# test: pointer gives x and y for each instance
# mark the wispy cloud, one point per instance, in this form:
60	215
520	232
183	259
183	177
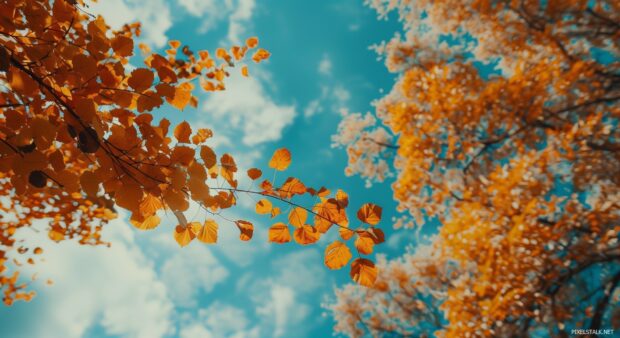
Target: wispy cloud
246	112
115	288
154	16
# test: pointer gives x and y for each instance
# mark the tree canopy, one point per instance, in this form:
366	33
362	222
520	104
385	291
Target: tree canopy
502	130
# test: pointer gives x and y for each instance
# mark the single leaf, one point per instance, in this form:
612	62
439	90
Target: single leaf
337	255
183	235
291	187
364	244
182	132
363	272
281	159
346	233
246	230
251	42
297	217
208	232
263	207
208	156
306	234
275	212
279	233
141	79
254	173
369	213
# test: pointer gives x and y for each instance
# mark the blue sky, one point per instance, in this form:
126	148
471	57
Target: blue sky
145	285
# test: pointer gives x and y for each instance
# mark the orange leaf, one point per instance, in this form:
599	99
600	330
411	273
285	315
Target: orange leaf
174	44
251	42
208	156
369	213
122	45
281	159
141	79
306	235
175	200
244	71
292	186
342	198
260	55
346	233
129	196
364	244
263	207
337	255
208	232
364	272
297	217
254	173
182	95
182	132
246	230
279	233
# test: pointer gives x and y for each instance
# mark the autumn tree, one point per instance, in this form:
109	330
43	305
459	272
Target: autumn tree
502	128
78	141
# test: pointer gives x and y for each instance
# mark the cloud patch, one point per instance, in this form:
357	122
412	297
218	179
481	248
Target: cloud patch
154	16
246	111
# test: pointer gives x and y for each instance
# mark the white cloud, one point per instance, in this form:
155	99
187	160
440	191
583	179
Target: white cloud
190	270
154	16
195	330
325	65
336	95
212	12
115	288
244	110
239	20
283	308
313	108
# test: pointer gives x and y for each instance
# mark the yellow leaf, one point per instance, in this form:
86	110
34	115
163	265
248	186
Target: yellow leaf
208	232
183	235
297	217
337	255
364	272
151	222
279	233
369	213
182	132
150	204
263	207
306	235
281	159
275	212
